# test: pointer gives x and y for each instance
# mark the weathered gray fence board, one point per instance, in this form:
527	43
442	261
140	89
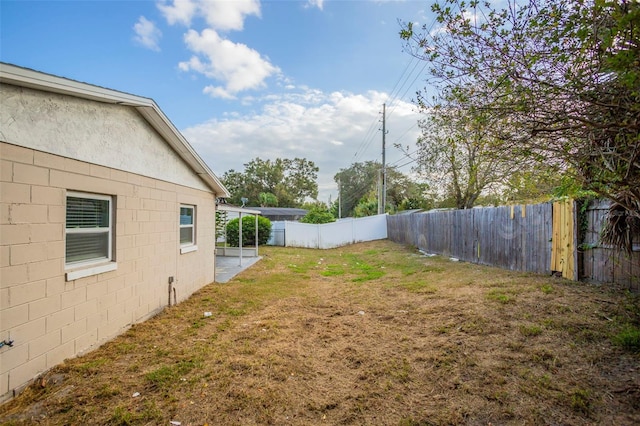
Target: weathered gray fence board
518	241
489	236
601	264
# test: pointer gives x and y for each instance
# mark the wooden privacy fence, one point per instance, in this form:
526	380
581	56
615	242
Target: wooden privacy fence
601	264
510	237
540	238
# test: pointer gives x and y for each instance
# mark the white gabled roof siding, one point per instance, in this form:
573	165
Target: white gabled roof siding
22	77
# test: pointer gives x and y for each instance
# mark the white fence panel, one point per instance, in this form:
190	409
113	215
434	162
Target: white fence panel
335	234
277	234
370	228
301	235
330	235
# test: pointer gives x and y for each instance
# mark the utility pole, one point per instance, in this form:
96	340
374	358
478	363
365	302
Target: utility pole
379	186
339	198
383	203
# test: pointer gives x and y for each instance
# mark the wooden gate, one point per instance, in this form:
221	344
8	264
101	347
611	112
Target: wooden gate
564	239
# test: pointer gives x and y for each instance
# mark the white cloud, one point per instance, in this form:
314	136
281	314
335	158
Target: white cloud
316	3
327	129
218	92
219	15
235	64
178	11
228	15
147	34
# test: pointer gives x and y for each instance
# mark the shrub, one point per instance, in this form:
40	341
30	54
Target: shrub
317	217
248	231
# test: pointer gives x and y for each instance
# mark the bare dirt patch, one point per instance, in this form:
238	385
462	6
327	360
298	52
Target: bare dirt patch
373	333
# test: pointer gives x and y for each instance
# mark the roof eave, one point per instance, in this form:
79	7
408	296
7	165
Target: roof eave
167	130
24	77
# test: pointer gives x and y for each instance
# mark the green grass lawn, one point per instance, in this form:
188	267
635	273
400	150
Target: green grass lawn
372	333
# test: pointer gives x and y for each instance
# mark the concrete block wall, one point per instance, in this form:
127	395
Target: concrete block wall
51	319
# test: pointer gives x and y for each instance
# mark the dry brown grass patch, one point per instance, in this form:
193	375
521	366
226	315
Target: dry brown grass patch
372	333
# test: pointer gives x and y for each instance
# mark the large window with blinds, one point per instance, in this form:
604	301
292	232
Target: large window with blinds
89	228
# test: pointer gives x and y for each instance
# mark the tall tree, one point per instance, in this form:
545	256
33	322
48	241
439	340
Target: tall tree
457	153
404	193
287	182
561	80
358	185
355	182
267	199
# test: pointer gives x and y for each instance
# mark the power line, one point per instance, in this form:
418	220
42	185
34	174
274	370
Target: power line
409	156
428	34
392	97
407	163
392	101
366	141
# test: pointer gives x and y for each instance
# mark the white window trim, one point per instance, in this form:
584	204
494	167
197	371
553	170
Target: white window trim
94	270
188	249
190	246
95	266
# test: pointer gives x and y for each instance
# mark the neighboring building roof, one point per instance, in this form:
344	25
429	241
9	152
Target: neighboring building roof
24	77
280	211
223	206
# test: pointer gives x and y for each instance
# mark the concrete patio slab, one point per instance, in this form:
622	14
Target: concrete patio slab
228	267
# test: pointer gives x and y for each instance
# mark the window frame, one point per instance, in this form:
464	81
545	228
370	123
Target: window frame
109	230
191	245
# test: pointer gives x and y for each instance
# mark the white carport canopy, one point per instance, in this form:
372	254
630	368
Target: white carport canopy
240	211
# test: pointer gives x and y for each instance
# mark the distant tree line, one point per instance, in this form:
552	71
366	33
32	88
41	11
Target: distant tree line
266	183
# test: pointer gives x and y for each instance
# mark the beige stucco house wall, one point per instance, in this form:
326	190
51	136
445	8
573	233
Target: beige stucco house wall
66	144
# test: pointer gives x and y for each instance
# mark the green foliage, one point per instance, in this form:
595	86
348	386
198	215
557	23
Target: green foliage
459	153
282	182
569	187
366	207
248	231
221	223
558	83
267	199
628	338
547	288
315	205
356	182
539	185
358	186
318	213
318	217
413	203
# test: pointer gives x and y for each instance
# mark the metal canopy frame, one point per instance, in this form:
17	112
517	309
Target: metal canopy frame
240	210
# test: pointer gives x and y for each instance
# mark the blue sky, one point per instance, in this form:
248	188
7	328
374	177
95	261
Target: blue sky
241	79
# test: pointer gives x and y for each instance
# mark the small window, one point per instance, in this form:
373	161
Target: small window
89	228
187	226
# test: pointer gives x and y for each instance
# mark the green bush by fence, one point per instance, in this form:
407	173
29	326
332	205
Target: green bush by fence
248	231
